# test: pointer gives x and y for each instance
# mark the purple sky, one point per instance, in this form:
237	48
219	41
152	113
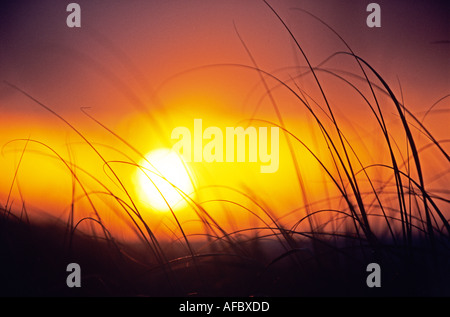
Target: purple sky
148	41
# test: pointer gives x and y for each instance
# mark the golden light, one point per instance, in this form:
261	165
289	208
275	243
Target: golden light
163	180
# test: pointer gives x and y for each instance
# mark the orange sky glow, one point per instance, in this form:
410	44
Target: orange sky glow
133	73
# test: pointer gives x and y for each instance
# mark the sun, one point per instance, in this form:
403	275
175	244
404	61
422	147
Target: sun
164	179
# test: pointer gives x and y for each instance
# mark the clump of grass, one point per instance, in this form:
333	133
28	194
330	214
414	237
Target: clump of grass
398	223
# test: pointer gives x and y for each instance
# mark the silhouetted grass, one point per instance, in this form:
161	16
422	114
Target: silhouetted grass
328	256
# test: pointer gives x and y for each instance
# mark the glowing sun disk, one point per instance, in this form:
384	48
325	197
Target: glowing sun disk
164	180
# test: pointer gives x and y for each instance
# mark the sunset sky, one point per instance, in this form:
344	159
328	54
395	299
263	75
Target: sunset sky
138	68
